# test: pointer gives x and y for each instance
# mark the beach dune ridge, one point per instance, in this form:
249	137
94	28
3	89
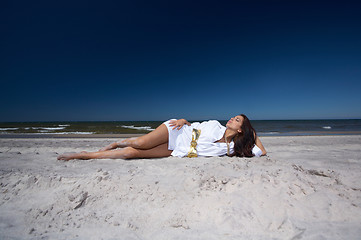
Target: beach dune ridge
306	188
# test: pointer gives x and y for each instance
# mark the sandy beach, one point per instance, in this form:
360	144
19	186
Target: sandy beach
308	187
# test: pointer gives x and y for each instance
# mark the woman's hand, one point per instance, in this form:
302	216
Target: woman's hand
178	124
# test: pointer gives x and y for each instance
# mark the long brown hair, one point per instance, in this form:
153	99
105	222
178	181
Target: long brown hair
244	141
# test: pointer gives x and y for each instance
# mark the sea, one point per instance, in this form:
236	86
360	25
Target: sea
262	127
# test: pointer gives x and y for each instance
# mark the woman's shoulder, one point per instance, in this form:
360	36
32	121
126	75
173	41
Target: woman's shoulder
210	125
215	123
212	122
213	129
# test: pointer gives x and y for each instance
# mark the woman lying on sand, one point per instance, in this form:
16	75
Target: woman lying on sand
180	138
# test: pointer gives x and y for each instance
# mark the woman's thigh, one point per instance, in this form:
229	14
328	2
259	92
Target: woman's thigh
147	142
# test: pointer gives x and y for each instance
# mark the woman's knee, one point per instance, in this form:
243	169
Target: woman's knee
140	143
129	153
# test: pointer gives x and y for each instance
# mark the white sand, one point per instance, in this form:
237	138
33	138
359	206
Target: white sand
307	188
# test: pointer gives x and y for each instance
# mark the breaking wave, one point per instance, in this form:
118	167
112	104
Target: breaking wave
147	128
8	129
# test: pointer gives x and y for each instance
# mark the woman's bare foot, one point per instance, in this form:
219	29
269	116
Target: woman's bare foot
109	147
121	144
70	156
128	142
66	156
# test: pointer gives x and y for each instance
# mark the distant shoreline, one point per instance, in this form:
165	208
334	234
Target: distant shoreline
128	135
129	129
29	135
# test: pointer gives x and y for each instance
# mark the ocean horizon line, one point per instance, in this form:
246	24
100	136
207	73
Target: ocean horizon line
191	120
263	127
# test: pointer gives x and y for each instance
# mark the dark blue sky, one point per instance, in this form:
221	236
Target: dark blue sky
155	60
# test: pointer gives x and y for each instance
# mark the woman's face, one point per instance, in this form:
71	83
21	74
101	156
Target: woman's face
235	123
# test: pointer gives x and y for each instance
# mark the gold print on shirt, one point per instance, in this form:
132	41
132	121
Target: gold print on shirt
193	151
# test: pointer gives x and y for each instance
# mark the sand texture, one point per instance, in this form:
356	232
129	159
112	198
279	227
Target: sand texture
306	188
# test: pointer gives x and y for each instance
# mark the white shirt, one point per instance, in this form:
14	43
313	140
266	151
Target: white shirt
207	145
211	131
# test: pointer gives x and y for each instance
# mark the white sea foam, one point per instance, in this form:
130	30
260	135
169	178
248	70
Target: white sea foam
53	128
39	128
63	125
326	127
8	129
138	128
64	133
269	133
46	128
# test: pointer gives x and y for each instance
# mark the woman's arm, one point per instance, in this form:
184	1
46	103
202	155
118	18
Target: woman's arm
178	124
260	145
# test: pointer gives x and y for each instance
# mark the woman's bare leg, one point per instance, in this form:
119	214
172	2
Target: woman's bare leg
124	153
156	137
